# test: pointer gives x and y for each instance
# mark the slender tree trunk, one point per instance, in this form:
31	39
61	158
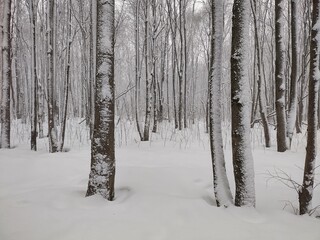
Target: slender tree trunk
102	174
292	114
33	20
6	76
1	39
262	109
220	180
93	37
153	59
306	192
53	138
279	77
185	65
180	68
173	26
137	68
148	81
67	80
240	106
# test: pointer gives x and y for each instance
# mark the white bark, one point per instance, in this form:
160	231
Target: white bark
221	184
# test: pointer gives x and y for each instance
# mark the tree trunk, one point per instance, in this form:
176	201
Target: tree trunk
7	76
262	109
1	39
185	65
220	180
52	134
180	68
67	80
292	114
33	20
306	191
102	174
240	106
153	59
146	132
137	68
173	27
279	78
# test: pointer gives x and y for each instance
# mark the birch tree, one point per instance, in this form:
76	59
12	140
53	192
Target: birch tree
240	106
306	191
220	181
6	75
102	174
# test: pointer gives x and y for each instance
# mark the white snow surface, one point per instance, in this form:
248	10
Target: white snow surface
164	191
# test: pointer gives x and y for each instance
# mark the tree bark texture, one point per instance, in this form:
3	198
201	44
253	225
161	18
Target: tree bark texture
33	15
102	174
240	106
7	75
52	134
292	114
220	180
306	191
280	78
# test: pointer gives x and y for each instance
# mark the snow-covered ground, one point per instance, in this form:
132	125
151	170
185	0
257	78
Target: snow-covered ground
163	191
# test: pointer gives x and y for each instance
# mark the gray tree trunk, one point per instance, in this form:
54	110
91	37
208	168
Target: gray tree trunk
102	174
262	108
146	131
52	134
137	68
306	192
67	79
1	18
240	106
6	75
220	180
280	78
292	114
34	122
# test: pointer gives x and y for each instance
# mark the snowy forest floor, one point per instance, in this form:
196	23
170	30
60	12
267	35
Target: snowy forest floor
164	191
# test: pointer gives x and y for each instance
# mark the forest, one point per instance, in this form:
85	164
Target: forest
159	119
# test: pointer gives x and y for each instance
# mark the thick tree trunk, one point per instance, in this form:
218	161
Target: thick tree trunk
240	106
102	174
279	78
7	75
220	180
306	192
